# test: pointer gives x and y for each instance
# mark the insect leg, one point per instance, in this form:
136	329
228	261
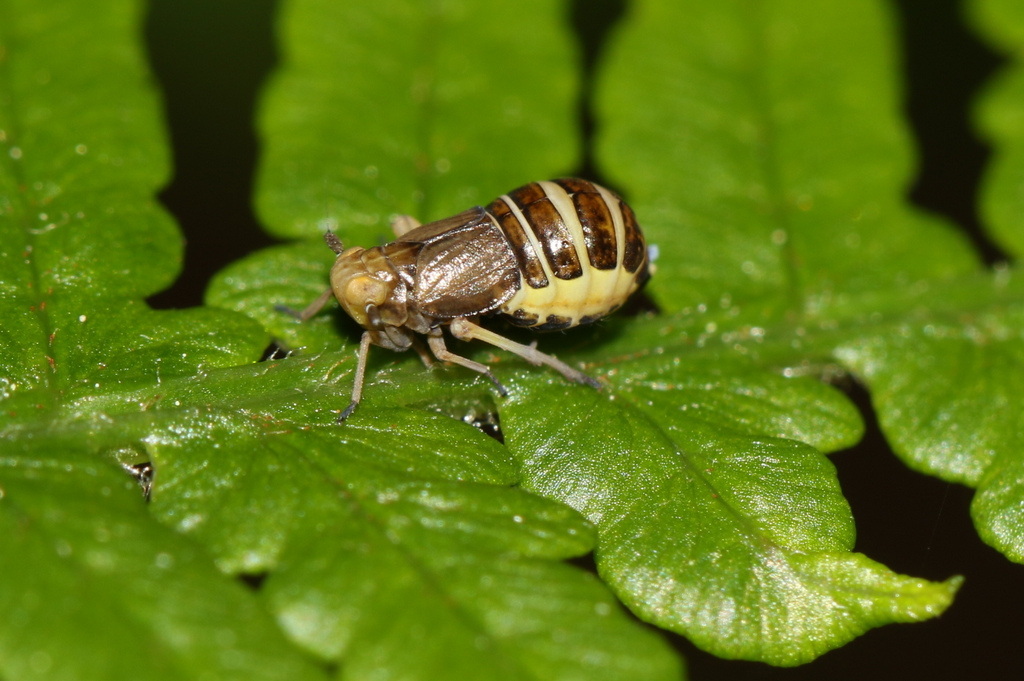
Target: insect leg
437	346
417	345
404	223
466	330
357	388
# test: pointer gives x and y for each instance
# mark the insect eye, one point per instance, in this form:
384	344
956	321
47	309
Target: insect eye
364	290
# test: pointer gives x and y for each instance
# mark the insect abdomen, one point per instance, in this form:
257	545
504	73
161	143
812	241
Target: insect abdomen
579	250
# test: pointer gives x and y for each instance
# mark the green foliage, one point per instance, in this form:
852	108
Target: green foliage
767	159
96	588
411	82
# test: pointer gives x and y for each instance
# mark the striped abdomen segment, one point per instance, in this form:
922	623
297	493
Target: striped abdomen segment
579	251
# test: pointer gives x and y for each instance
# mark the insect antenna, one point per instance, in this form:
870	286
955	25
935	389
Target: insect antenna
333	242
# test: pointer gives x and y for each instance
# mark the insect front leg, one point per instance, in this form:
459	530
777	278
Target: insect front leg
466	330
357	387
436	342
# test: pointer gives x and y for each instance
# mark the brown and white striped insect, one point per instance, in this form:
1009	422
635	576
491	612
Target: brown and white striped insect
547	256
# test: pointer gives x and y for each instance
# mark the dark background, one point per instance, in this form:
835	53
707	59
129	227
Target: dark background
211	58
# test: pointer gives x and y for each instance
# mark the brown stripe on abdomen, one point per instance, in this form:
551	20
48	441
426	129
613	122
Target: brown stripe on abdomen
554	237
635	250
571	185
596	221
527	194
554	323
598	229
526	256
521	317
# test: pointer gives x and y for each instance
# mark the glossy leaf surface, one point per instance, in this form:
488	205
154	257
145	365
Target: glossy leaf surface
768	159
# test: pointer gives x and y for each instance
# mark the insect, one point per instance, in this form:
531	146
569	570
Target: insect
549	255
